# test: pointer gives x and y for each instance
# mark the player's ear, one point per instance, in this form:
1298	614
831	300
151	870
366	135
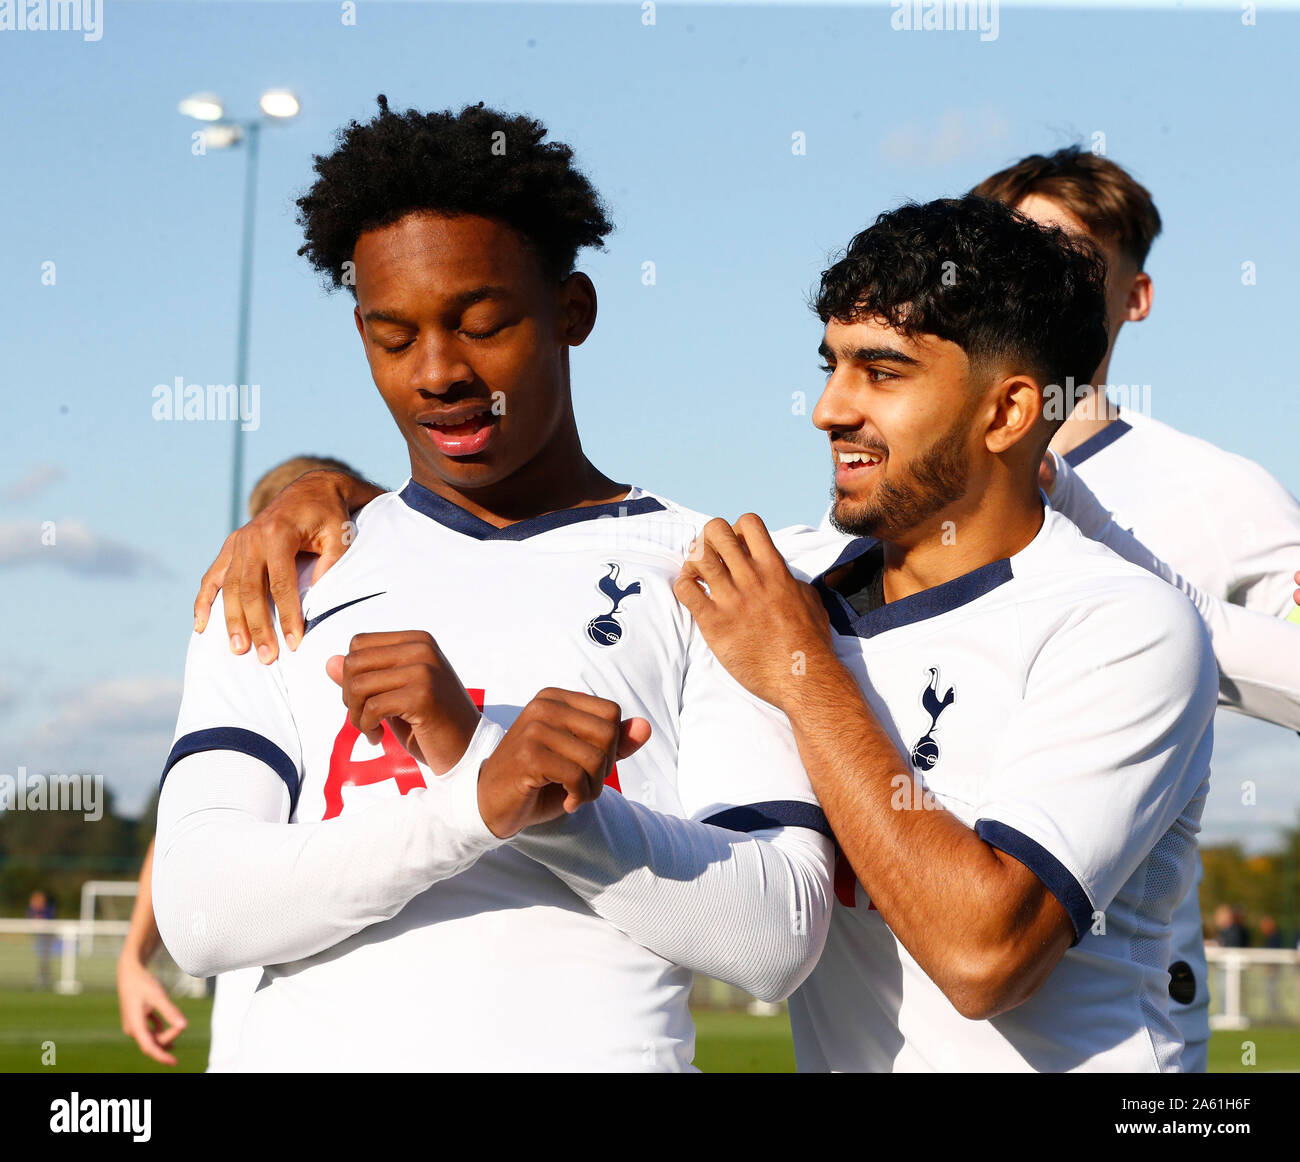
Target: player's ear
1138	304
577	308
361	327
1017	407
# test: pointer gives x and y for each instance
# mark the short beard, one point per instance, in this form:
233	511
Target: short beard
937	478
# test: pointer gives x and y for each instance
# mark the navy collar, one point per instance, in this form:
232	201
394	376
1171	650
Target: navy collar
918	607
458	520
1094	444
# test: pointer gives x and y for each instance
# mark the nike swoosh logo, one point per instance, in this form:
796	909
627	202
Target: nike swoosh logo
313	622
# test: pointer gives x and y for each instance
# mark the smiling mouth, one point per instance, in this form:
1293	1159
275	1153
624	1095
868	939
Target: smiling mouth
854	468
460	433
865	459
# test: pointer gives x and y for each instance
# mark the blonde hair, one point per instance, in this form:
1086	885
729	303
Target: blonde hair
282	475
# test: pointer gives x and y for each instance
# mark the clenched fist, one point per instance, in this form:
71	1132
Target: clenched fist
554	759
405	678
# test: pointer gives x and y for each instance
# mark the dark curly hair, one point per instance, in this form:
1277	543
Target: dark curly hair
975	272
449	163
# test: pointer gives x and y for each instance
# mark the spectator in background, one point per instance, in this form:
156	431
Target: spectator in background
1269	934
282	475
41	907
1229	930
148	1013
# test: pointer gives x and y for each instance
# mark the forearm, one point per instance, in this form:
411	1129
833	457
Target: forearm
237	886
142	937
956	903
1258	658
750	911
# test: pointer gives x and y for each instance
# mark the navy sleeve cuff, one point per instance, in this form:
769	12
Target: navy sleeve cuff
242	741
1056	879
779	813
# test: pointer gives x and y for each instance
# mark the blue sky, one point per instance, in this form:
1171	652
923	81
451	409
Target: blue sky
686	386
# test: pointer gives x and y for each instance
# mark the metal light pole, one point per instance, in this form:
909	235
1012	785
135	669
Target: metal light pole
278	105
241	340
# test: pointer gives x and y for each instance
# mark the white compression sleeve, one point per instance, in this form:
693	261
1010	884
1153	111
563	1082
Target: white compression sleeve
1256	654
236	885
749	909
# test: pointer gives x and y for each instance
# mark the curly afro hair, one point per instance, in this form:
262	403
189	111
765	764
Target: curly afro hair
478	161
979	274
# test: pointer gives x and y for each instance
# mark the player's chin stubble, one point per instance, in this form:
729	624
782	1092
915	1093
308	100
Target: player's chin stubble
934	480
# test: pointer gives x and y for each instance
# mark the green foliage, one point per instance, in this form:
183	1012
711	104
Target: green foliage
58	851
1259	885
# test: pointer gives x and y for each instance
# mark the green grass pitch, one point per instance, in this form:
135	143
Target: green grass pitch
87	1038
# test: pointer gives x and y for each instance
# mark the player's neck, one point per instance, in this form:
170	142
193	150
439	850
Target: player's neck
997	523
560	476
1092	414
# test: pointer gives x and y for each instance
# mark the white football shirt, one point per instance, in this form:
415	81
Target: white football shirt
1221	520
1060	703
1227	526
230	1001
501	967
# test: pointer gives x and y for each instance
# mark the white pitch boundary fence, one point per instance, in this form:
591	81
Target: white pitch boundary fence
1274	977
73	938
73	943
1248	986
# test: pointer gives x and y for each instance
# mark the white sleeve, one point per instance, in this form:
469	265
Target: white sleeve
235	884
738	764
1260	532
1109	748
1256	653
740	890
749	909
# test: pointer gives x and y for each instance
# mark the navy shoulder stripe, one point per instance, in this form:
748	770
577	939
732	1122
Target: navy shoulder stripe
1094	444
1056	879
779	813
242	741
